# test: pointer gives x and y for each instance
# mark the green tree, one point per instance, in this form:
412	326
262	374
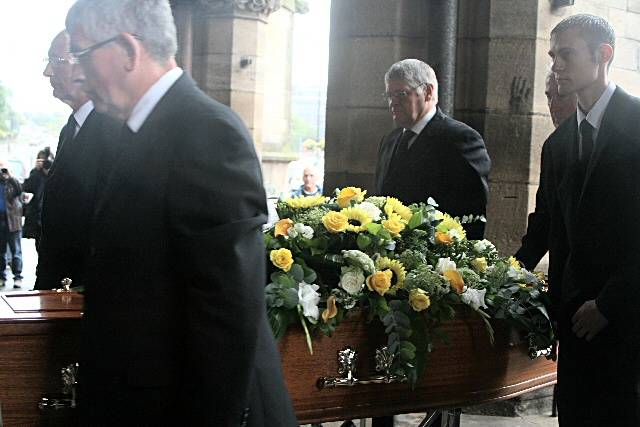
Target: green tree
8	118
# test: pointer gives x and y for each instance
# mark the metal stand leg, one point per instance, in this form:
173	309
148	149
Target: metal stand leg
451	417
554	401
382	421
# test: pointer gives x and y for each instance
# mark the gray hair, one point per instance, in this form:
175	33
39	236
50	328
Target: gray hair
151	20
593	29
413	72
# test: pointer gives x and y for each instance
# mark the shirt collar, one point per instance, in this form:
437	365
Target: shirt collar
150	99
423	122
82	113
594	116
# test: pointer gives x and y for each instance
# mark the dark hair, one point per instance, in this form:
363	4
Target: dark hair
593	29
45	153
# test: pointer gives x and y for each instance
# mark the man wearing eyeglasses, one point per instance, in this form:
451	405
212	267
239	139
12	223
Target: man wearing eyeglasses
68	199
175	326
430	154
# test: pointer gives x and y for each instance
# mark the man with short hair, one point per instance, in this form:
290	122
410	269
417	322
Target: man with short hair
561	107
175	326
430	154
309	186
589	195
535	243
85	151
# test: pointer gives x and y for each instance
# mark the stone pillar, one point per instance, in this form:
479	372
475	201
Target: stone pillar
228	58
183	15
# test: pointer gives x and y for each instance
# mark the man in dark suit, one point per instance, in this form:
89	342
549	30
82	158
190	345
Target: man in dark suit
68	196
587	205
175	327
535	243
430	154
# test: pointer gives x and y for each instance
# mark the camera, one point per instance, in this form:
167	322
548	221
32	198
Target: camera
46	164
4	170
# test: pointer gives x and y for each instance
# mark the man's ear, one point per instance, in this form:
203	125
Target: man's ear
604	53
429	91
133	48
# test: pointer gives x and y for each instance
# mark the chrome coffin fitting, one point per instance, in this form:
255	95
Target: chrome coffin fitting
347	361
68	397
66	285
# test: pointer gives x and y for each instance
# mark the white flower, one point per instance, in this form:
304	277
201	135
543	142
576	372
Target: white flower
352	279
445	264
308	299
432	202
454	234
390	246
359	259
371	210
482	245
474	298
299	229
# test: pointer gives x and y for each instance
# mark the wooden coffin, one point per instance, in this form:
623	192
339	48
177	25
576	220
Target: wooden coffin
466	372
39	334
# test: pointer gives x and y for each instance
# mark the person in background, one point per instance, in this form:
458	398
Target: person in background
309	186
10	226
430	154
561	107
86	149
34	184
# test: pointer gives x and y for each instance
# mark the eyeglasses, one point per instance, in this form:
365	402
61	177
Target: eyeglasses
400	95
77	55
56	61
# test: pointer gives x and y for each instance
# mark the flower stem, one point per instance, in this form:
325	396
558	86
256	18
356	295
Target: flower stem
306	330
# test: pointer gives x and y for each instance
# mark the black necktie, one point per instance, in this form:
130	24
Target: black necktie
66	136
402	149
586	132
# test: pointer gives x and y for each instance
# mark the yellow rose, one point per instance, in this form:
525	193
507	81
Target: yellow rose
455	279
281	258
347	194
282	227
331	310
335	222
419	299
443	238
479	264
393	225
380	281
514	263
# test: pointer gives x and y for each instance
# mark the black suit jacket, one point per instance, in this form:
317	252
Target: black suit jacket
176	303
448	161
69	198
591	226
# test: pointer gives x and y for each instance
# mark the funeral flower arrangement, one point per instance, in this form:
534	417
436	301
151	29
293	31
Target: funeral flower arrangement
408	266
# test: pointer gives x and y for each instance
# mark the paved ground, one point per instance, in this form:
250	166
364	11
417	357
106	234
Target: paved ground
413	420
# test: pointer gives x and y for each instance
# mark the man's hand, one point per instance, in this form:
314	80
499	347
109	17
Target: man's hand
588	321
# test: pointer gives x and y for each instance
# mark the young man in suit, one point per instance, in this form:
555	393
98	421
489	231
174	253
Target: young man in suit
175	326
84	148
430	154
587	205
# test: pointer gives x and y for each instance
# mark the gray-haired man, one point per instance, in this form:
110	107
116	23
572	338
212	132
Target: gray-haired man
430	154
175	325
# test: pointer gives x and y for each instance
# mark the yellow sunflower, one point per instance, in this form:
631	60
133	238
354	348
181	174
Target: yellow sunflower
357	215
302	202
394	205
396	267
448	224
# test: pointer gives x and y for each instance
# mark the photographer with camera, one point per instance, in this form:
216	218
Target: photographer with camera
10	226
34	184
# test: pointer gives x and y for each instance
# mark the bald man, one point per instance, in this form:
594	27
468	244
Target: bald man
83	152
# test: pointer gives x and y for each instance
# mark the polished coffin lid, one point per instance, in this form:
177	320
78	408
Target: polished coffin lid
40	305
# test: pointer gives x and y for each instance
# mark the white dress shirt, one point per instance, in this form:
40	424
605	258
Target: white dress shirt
594	116
421	124
150	99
